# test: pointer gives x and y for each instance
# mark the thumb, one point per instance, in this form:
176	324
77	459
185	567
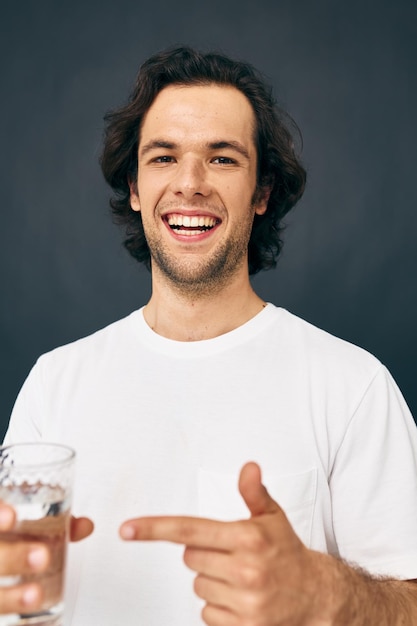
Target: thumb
80	528
255	495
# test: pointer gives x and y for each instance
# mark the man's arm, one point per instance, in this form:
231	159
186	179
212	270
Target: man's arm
257	571
23	558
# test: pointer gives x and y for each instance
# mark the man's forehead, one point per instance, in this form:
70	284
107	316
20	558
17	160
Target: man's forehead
194	108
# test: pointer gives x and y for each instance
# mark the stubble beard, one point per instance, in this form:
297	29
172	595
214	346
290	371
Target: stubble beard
206	276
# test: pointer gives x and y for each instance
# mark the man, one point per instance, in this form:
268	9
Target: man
207	382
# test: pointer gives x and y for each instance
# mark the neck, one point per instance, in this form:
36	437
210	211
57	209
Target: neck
182	317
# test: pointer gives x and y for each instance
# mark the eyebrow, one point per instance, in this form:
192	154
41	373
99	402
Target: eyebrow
234	145
155	144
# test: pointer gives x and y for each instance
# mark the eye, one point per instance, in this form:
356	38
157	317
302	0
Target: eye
163	159
222	160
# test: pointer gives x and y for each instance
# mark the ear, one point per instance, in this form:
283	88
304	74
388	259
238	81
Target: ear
134	197
261	200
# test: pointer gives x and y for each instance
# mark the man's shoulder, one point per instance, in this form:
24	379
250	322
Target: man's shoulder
320	346
114	335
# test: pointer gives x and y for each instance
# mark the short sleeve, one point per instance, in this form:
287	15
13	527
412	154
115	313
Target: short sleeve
26	420
374	484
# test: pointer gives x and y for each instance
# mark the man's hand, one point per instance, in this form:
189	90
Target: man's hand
23	558
255	571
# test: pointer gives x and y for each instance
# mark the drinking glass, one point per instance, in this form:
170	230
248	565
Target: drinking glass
36	480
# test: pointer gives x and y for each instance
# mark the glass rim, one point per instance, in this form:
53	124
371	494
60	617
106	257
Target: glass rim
70	456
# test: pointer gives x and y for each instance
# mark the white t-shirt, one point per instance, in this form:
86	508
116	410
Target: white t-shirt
164	427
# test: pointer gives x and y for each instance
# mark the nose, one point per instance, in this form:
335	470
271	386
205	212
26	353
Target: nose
190	179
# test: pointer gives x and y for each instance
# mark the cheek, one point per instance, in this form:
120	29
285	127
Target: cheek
151	191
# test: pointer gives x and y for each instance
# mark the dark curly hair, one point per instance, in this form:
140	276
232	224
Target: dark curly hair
278	168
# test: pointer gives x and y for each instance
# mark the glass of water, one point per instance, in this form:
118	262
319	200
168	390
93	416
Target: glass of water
36	480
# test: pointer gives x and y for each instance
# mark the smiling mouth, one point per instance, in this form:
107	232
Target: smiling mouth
191	224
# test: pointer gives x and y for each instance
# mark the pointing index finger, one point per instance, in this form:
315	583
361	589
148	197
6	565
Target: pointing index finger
189	531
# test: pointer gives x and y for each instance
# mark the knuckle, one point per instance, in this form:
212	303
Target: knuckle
19	558
251	538
251	577
206	613
186	534
198	586
256	607
254	613
187	557
252	606
20	599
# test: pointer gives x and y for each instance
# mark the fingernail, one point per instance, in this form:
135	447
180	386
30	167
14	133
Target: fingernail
30	596
127	532
6	517
37	558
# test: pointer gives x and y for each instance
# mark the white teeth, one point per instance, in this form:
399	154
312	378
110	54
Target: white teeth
190	233
194	221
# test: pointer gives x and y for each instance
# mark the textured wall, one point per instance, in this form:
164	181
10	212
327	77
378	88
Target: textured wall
346	72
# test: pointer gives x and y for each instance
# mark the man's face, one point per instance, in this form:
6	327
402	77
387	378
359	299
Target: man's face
196	185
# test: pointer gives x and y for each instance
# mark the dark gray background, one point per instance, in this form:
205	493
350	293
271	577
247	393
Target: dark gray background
346	72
